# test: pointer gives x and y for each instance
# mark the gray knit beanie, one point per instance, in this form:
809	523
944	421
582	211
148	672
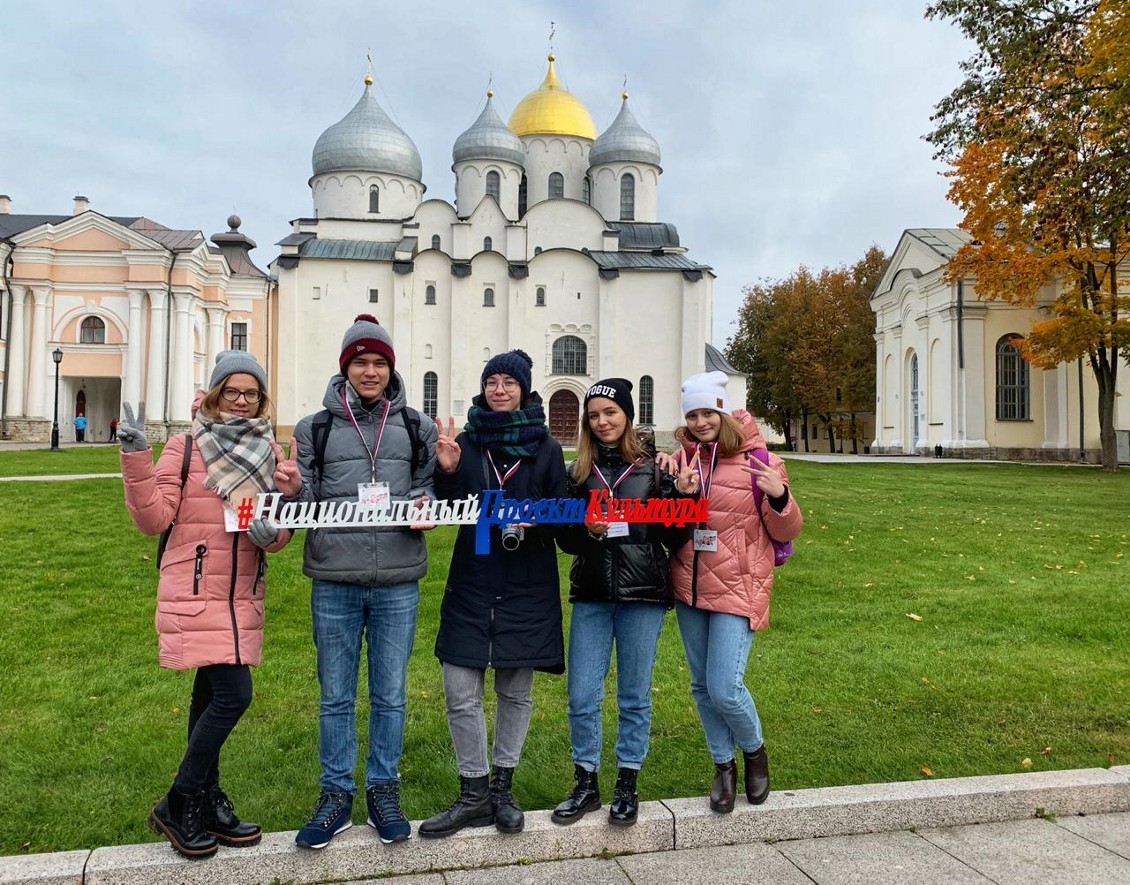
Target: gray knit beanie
230	362
366	335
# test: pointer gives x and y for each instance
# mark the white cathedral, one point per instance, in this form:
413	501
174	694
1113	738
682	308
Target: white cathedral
553	246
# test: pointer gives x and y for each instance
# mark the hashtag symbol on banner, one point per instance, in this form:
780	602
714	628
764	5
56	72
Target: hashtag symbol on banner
245	512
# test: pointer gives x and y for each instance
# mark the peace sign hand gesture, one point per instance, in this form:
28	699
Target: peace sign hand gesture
287	476
687	481
131	431
448	453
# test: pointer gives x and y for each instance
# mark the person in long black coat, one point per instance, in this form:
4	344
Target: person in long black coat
501	610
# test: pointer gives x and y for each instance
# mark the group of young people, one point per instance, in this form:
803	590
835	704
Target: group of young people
501	610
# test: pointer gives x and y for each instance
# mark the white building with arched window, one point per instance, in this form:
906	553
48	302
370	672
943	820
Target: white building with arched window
553	245
948	374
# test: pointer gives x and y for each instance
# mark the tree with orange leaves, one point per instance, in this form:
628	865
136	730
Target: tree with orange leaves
1040	156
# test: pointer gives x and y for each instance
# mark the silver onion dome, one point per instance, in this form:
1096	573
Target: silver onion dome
366	140
489	139
625	141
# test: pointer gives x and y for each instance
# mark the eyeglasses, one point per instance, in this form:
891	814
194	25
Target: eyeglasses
249	396
509	385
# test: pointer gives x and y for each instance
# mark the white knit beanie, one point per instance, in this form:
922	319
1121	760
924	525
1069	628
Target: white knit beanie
706	390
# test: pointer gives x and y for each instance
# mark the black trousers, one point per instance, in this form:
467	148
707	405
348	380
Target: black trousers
221	693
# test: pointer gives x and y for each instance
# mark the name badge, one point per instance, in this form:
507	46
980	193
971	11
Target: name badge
617	530
231	521
705	540
375	495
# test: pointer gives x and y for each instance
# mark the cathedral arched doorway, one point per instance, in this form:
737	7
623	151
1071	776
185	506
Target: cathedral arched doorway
564	412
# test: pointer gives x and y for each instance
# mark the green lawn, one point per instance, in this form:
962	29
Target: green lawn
965	619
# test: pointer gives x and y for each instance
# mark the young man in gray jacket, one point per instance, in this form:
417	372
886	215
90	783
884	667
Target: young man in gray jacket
366	446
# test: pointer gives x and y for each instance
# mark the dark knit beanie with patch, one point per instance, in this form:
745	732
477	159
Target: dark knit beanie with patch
366	335
515	363
619	390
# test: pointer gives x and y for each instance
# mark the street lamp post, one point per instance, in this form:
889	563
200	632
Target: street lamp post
57	356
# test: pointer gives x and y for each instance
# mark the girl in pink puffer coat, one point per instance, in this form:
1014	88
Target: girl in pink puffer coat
210	592
723	579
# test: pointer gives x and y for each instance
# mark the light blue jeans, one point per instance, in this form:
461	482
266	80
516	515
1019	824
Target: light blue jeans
717	647
634	627
342	615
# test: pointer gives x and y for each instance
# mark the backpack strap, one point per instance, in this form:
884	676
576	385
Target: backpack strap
184	465
320	434
412	425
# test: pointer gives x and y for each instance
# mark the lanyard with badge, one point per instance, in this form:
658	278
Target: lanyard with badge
372	493
502	477
616	529
706	540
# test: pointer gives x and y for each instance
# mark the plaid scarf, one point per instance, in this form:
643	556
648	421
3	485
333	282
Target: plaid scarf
519	433
238	455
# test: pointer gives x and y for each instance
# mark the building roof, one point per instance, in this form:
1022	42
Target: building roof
489	139
943	240
10	225
644	261
366	140
625	141
552	110
645	234
717	362
357	250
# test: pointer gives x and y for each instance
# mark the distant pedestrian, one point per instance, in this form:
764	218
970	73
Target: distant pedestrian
114	429
80	428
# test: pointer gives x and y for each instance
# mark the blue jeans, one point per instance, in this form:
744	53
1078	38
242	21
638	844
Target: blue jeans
717	646
634	626
342	614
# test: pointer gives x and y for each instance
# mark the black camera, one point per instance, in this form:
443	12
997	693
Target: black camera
512	536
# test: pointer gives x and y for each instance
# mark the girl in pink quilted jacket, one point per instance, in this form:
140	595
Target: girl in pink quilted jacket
210	592
722	580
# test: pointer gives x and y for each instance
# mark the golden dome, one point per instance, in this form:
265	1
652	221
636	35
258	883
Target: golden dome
552	110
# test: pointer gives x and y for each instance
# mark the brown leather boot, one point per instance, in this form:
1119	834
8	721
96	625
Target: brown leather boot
725	787
756	775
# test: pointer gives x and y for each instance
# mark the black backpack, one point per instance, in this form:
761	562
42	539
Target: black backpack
320	434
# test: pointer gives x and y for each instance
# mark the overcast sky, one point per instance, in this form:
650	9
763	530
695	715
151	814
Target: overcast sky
790	132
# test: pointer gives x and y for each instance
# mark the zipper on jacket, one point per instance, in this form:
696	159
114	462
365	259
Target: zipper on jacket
198	569
694	580
490	641
259	572
231	594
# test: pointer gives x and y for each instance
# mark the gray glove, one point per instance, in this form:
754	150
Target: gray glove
262	532
131	431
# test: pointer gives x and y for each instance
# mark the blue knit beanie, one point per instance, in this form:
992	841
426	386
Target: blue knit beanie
515	363
231	362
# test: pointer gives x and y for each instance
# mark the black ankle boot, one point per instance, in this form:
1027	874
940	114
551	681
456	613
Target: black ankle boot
756	775
625	805
508	817
471	808
584	798
221	821
180	819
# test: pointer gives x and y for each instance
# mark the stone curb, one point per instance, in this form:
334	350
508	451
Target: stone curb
662	826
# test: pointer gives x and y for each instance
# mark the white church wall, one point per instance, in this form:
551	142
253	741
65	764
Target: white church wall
567	224
347	195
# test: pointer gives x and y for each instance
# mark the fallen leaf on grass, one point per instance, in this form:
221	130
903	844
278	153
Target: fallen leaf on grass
1045	751
145	556
927	771
1026	762
913	616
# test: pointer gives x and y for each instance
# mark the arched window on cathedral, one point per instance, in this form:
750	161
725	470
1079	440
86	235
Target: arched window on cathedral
430	295
647	400
556	185
488	244
627	197
494	186
431	394
92	331
1013	387
522	199
539	297
570	356
435	241
586	190
374	198
488	297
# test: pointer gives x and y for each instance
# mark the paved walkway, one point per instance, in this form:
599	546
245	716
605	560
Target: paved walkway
1069	827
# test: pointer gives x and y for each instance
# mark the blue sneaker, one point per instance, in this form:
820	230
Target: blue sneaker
330	817
385	815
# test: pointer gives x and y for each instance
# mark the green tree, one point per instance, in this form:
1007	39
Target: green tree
1040	155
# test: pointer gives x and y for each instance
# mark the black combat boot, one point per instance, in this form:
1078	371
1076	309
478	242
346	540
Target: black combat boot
508	817
756	775
471	808
221	821
180	819
584	798
625	805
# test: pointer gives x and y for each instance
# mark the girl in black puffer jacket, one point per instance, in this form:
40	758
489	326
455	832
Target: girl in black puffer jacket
620	593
